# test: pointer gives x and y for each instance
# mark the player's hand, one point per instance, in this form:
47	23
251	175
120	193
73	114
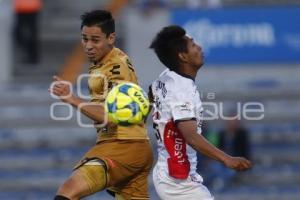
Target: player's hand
237	163
61	88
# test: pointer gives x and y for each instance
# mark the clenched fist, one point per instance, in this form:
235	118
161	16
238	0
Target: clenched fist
62	89
237	163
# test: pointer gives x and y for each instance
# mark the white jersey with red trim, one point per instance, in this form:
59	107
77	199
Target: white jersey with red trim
175	99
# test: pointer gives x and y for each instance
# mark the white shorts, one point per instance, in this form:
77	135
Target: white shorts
169	188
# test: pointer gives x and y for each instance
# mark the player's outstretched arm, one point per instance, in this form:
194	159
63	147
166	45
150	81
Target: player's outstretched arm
200	144
62	89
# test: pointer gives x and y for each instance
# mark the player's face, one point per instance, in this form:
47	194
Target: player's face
194	53
95	43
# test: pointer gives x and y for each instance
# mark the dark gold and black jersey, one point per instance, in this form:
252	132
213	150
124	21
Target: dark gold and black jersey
114	68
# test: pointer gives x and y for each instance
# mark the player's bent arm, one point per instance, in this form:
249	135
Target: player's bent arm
91	110
200	144
62	89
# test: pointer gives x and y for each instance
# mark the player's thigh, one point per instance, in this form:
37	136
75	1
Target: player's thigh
74	187
95	176
170	188
84	181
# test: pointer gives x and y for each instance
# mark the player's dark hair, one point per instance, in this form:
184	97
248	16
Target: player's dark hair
168	43
100	18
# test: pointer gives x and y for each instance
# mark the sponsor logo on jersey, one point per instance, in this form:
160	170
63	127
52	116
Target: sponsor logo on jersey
178	162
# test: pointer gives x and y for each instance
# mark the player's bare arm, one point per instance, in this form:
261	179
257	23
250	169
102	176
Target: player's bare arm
61	89
200	144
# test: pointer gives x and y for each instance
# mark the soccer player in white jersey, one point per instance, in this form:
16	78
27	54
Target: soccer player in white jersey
177	120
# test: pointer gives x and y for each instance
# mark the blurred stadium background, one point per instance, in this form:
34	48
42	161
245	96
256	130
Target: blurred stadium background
253	54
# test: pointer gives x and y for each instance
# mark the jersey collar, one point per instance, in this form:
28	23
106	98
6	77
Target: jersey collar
106	57
184	75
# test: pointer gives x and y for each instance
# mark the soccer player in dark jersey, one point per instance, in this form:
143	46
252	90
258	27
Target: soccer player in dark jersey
113	163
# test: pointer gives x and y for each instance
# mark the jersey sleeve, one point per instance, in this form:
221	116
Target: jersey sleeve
181	103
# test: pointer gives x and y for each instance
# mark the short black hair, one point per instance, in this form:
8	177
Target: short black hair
168	43
100	18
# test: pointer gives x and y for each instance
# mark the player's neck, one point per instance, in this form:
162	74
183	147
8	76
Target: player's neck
104	56
188	71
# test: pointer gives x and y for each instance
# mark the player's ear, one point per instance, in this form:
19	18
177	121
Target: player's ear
182	57
112	38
